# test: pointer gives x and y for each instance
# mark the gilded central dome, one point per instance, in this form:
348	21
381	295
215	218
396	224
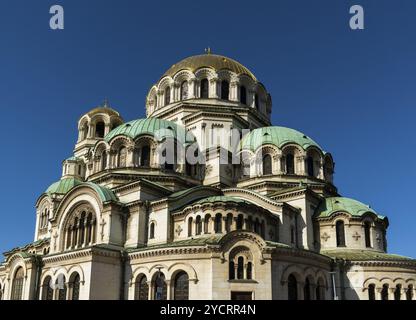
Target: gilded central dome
209	60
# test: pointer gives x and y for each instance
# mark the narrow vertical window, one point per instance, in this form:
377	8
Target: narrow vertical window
367	234
267	164
292	288
290	164
243	95
167	95
204	89
371	292
225	90
240	268
181	286
385	292
190	221
340	233
311	171
152	231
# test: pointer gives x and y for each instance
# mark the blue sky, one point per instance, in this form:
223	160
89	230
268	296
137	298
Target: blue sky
351	91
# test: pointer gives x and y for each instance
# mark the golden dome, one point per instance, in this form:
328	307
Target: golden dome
209	60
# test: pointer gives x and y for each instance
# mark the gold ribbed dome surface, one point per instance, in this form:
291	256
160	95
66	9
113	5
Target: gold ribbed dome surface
208	60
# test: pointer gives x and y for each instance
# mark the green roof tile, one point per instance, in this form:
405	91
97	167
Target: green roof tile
221	199
278	136
333	205
63	186
105	194
362	255
158	128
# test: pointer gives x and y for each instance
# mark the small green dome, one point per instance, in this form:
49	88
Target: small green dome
63	186
278	136
158	128
333	205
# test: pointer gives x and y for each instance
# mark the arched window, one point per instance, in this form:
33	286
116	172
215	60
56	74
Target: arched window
385	292
167	96
99	129
231	270
141	288
371	292
240	222
145	156
190	222
320	290
104	160
229	222
240	268
152	231
80	229
218	223
181	286
206	223
122	157
204	89
184	90
307	290
160	288
17	288
225	90
249	271
409	292
367	234
75	285
340	232
311	171
398	292
290	164
61	285
198	225
243	95
267	164
292	288
47	291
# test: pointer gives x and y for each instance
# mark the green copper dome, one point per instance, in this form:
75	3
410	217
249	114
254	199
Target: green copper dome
333	205
63	186
278	136
158	128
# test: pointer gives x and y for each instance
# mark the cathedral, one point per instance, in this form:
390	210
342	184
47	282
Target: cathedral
204	199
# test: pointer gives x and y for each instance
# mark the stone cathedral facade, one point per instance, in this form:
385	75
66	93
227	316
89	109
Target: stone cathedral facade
172	207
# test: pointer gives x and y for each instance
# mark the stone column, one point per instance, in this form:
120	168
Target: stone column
276	164
213	88
192	83
300	165
130	157
233	91
300	290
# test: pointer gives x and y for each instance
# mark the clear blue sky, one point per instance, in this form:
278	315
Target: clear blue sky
351	91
